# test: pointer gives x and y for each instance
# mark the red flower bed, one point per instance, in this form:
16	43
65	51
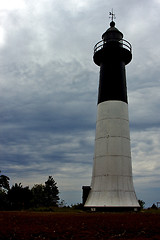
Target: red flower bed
59	226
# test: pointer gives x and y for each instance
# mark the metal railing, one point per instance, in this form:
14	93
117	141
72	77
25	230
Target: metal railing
123	43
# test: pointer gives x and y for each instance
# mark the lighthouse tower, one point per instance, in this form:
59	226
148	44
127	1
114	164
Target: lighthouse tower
112	184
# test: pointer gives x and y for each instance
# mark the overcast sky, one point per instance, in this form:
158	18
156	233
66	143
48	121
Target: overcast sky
48	91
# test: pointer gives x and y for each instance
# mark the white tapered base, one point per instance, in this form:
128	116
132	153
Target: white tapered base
112	183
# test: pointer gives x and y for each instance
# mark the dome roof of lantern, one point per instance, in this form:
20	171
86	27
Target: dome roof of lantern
112	31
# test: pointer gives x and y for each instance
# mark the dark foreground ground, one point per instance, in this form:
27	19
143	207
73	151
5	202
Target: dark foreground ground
59	226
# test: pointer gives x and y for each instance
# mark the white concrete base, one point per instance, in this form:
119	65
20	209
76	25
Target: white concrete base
112	184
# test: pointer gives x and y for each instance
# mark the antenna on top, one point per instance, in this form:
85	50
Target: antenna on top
112	15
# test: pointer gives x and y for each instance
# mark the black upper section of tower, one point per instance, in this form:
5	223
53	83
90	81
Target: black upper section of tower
112	54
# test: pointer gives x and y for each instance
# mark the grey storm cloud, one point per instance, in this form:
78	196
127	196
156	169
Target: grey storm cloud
49	86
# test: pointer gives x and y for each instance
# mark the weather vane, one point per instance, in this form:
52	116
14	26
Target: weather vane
112	15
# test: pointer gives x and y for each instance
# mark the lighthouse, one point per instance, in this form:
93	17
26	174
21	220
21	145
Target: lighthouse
112	183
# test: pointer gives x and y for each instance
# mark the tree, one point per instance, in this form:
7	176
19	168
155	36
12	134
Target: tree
4	182
141	203
154	206
51	192
19	197
38	195
45	195
4	187
4	203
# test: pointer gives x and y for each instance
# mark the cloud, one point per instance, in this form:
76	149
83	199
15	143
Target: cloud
145	155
